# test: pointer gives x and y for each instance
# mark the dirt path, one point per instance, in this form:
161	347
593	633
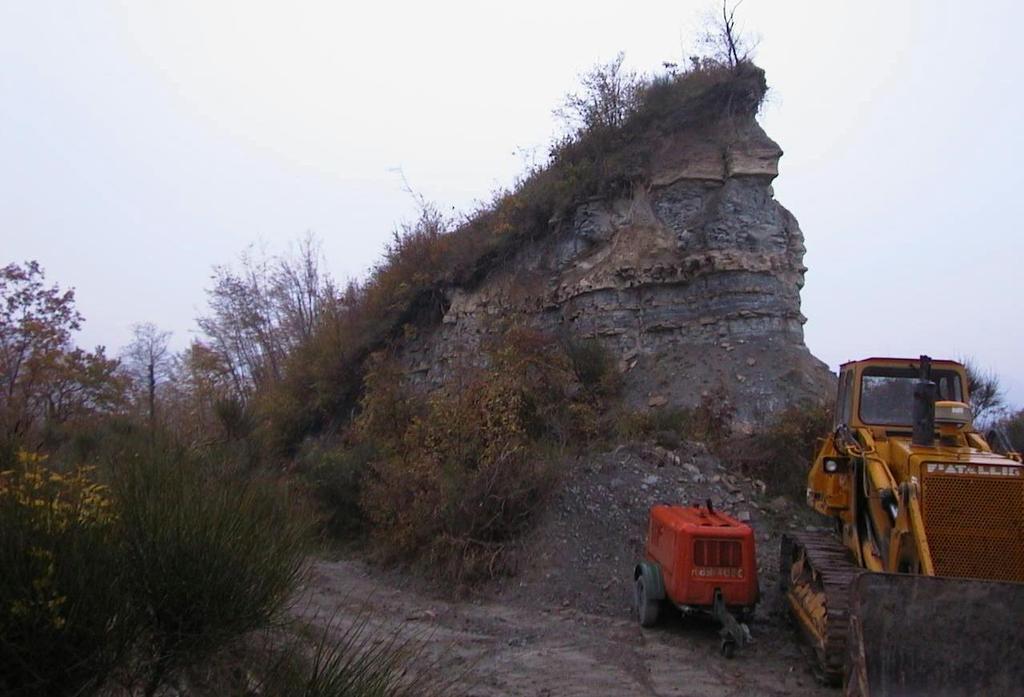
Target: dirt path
516	649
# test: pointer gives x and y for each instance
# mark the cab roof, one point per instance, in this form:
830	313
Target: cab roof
894	360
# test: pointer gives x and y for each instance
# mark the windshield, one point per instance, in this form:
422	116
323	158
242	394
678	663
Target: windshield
887	394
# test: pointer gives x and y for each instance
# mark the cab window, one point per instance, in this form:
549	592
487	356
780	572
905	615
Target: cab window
887	394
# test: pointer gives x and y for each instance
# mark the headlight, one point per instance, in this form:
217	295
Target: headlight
831	466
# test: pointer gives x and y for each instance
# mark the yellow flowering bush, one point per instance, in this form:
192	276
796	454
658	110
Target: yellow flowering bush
51	505
58	599
103	589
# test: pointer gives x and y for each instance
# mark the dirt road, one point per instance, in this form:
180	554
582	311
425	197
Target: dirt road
515	648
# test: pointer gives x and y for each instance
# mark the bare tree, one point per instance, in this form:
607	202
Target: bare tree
723	39
148	360
988	399
262	310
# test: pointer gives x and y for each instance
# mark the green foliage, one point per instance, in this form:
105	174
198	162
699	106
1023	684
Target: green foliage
360	658
335	475
594	366
209	558
135	582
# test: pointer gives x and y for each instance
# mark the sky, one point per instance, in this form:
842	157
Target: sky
143	143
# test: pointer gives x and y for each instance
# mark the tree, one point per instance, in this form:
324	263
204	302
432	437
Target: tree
988	399
147	360
261	311
1011	427
608	96
723	41
44	378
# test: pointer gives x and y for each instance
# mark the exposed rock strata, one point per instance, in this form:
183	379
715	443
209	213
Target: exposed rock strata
692	281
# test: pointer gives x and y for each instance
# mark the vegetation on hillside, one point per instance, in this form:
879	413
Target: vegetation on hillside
459	474
156	507
135	561
607	153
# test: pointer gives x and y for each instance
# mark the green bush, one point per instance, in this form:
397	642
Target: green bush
335	475
129	585
594	366
359	658
207	559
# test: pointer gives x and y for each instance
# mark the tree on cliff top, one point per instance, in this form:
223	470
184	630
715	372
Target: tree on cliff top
723	40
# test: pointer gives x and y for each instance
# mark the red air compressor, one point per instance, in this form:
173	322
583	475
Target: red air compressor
699	560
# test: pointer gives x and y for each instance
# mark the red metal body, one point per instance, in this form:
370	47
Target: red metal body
700	551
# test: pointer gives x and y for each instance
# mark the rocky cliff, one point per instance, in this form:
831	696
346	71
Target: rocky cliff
691	277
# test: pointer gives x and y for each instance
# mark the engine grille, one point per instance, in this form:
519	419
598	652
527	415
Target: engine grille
975	526
721	553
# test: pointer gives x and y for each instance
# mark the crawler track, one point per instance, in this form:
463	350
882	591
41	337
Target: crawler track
821	573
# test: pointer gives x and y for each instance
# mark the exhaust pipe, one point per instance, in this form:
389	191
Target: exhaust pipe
926	393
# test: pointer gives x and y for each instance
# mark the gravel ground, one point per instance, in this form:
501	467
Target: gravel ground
563	625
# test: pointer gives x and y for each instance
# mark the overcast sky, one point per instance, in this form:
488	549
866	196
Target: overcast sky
142	143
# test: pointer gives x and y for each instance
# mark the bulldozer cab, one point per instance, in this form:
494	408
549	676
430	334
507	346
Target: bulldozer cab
878	393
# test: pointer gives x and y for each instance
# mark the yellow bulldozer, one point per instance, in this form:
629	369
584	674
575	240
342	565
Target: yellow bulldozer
920	589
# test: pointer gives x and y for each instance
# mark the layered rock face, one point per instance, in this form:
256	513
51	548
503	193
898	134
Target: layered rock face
692	281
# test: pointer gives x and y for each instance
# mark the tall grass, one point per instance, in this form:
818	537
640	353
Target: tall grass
130	583
210	558
362	657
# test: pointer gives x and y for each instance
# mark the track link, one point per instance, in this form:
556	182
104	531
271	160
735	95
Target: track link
817	574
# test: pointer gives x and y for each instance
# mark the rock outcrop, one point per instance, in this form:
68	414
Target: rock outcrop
692	280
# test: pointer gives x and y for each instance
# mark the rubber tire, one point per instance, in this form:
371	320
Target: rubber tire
646	608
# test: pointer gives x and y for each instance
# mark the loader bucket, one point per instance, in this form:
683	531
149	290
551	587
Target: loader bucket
926	636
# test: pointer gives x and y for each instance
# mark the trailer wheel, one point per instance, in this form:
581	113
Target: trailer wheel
646	607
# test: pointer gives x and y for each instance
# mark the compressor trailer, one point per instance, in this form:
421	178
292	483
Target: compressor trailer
698	559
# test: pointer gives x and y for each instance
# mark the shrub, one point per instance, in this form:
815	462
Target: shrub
206	559
639	425
594	366
457	482
335	475
65	623
781	453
